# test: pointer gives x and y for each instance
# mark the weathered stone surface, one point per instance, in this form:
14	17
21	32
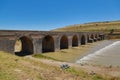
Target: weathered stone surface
45	41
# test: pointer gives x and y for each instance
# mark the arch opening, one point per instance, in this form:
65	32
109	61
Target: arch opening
64	42
23	46
83	40
75	41
92	36
102	37
96	36
48	44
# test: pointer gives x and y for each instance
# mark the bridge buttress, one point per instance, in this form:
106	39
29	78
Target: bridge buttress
56	43
69	42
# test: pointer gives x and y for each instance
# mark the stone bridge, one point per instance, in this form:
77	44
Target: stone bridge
45	41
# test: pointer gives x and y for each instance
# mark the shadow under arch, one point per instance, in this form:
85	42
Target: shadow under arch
92	36
96	36
83	40
48	44
24	46
101	36
75	41
64	42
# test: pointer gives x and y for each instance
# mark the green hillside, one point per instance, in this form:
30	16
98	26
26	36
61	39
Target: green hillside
106	26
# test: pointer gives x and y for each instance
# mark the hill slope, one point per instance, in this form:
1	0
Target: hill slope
29	68
94	26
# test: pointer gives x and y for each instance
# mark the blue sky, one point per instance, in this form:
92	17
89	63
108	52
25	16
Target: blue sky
52	14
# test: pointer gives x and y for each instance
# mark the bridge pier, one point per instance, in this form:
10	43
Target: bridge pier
69	42
90	40
57	43
37	45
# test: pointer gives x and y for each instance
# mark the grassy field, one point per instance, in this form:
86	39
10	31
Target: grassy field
95	26
24	68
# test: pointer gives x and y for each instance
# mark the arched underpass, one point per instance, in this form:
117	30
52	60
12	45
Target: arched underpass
92	36
23	46
83	40
64	42
96	36
75	41
48	44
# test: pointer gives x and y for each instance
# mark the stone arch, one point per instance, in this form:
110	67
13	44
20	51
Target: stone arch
75	41
96	35
48	44
26	46
83	40
102	36
64	42
92	36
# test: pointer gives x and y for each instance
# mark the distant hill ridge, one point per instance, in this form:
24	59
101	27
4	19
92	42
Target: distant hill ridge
105	26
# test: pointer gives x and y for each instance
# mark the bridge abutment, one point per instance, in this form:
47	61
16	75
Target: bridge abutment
7	45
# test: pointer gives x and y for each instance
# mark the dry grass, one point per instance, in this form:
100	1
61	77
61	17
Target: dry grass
100	26
24	68
72	54
16	68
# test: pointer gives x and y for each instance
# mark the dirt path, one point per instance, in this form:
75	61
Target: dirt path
51	62
102	70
